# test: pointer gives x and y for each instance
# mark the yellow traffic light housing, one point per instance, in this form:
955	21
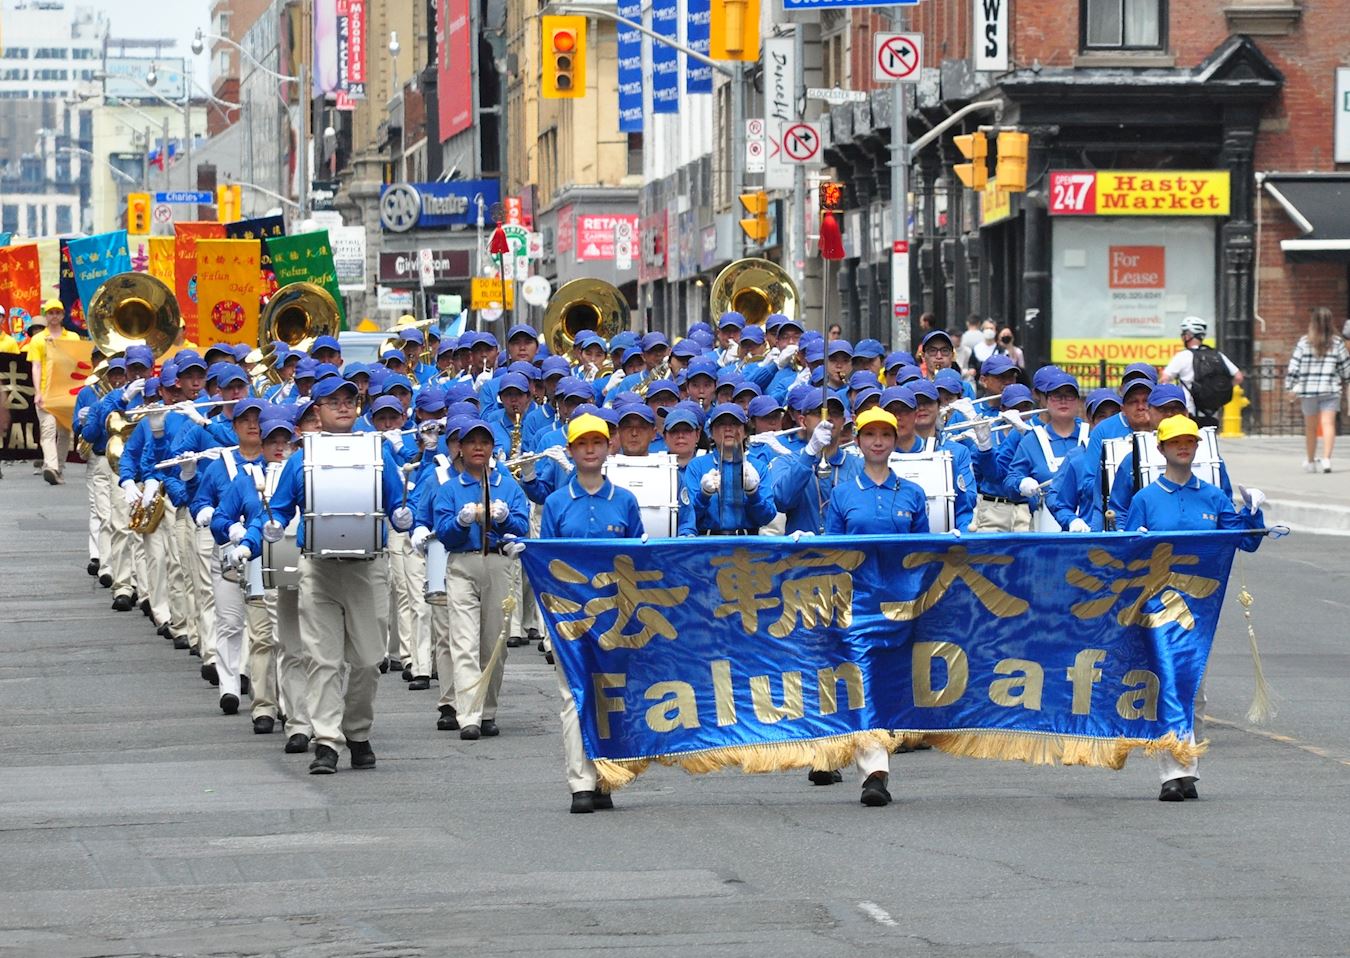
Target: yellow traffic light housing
138	214
756	225
1011	172
563	50
734	30
975	148
229	203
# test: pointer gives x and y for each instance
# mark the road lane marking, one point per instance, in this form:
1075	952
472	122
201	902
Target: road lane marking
878	914
1279	739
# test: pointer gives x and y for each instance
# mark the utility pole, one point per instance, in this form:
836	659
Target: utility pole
305	100
797	249
164	154
737	148
900	326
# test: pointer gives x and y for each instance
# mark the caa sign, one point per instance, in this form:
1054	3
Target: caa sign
430	206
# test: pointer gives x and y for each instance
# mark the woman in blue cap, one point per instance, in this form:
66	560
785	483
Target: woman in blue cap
724	488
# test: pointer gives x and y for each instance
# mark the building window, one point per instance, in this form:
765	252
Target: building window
634	154
223	26
51	53
223	67
1124	24
15	53
64	222
9	218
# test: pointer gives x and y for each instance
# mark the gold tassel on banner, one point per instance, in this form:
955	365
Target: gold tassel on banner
495	659
1262	709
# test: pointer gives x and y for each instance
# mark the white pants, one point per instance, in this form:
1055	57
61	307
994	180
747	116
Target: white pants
580	770
476	587
344	618
262	660
98	481
1002	516
229	622
1168	767
870	759
159	559
195	548
55	442
408	579
292	664
439	618
525	616
121	553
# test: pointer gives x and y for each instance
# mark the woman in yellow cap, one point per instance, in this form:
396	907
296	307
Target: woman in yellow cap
876	500
589	506
55	438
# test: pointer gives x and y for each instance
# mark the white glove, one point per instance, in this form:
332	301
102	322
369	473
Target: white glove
133	389
237	533
1253	499
1142	529
1014	418
393	437
965	407
240	555
711	482
750	477
1029	488
157	421
821	437
499	511
203	518
149	492
527	471
984	438
559	455
644	538
401	518
273	531
193	413
483	379
956	532
469	514
427	439
131	493
512	546
797	536
731	353
187	470
784	358
1078	525
83	415
421	538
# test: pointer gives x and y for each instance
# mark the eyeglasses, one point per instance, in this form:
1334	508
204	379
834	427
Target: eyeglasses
937	351
339	402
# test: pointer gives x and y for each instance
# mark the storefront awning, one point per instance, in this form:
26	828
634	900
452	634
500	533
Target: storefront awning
1319	205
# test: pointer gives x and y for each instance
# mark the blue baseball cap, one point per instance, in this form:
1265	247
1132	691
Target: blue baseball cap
997	365
699	327
325	342
949	380
554	366
726	409
323	370
753	335
897	359
839	346
1042	376
1059	381
412	335
704	339
486	339
184	360
397	381
151	387
629	354
773	322
307	369
230	373
641	410
448	345
788	321
522	329
702	366
803	398
226	348
731	320
729	376
168	374
241	351
213	370
907	374
393	356
513	381
681	417
763	406
386	402
246	405
572	388
813	351
330	384
862	379
117	362
1015	395
464	342
686	349
934	334
1098	396
1139	371
746	386
869	349
272	422
923	389
430	399
1165	393
898	394
470	426
353	370
862	396
663	387
461	409
654	341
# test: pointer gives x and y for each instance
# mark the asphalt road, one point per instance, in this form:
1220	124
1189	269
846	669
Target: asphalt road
135	819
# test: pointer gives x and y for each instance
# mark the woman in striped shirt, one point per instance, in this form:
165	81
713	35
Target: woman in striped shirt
1317	374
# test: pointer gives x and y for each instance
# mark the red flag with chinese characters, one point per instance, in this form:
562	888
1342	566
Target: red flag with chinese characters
186	236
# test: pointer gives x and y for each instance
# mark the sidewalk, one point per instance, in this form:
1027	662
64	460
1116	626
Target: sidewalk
1312	502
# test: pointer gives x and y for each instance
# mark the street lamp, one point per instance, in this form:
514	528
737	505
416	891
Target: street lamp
151	77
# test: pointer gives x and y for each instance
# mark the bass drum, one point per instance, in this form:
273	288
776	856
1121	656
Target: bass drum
344	490
655	482
251	581
281	561
931	471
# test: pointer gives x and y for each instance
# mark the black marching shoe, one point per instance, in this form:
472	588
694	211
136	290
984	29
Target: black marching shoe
325	761
395	666
384	665
515	641
490	729
548	657
419	683
874	793
209	674
297	744
1172	791
245	686
92	567
824	776
363	756
195	652
123	603
164	633
1188	786
105	580
229	704
470	733
602	801
583	803
407	673
145	608
447	722
263	725
180	642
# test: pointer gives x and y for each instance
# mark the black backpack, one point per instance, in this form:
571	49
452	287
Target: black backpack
1212	387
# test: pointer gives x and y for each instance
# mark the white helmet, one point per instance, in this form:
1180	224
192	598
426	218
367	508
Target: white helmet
1195	326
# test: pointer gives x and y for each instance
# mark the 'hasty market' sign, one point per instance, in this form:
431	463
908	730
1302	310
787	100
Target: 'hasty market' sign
1139	193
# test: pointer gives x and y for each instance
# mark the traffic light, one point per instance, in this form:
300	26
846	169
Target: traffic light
756	225
734	30
564	53
1011	172
229	203
138	214
974	147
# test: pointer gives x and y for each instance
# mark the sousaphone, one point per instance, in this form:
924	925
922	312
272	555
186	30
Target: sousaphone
583	303
754	288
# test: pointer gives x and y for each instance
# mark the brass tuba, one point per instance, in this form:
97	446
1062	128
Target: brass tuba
297	314
754	288
583	304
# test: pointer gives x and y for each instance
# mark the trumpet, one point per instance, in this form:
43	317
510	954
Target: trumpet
518	461
996	423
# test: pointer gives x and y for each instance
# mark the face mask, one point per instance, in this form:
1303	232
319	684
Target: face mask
988	335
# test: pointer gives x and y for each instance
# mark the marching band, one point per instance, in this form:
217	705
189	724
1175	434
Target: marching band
304	524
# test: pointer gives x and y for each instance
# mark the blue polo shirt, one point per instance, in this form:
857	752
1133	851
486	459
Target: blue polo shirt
860	506
463	489
607	513
1166	506
724	511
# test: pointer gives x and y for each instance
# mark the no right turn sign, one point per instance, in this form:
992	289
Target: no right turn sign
896	57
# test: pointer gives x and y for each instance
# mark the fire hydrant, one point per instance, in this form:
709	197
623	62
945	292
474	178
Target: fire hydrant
1231	426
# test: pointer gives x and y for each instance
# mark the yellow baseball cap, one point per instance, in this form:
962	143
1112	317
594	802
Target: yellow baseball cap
1174	426
53	304
875	415
584	425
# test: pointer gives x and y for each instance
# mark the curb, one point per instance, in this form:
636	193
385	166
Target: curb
1303	516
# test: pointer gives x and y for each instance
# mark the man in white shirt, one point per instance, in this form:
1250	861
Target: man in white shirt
1181	367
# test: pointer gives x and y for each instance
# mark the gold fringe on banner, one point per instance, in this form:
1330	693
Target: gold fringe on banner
837	751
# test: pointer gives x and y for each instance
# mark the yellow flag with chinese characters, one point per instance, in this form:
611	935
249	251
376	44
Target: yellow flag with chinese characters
228	286
70	363
161	259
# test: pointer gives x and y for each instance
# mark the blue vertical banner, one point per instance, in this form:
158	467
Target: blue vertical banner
96	258
665	59
698	36
630	68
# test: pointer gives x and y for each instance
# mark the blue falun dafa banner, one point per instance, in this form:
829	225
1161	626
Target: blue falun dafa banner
768	654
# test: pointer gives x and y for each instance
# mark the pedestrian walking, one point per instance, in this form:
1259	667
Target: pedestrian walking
1318	372
1206	375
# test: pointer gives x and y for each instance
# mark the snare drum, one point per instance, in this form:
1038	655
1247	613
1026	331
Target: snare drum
438	561
344	493
252	582
931	471
281	561
655	482
1152	464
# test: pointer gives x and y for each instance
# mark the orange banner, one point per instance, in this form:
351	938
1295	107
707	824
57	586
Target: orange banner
20	285
69	365
229	281
161	259
186	236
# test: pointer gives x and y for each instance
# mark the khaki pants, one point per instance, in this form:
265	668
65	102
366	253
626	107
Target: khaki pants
123	543
262	660
525	616
1002	516
292	665
229	621
477	586
439	618
344	617
159	558
195	547
98	481
580	770
55	442
408	581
